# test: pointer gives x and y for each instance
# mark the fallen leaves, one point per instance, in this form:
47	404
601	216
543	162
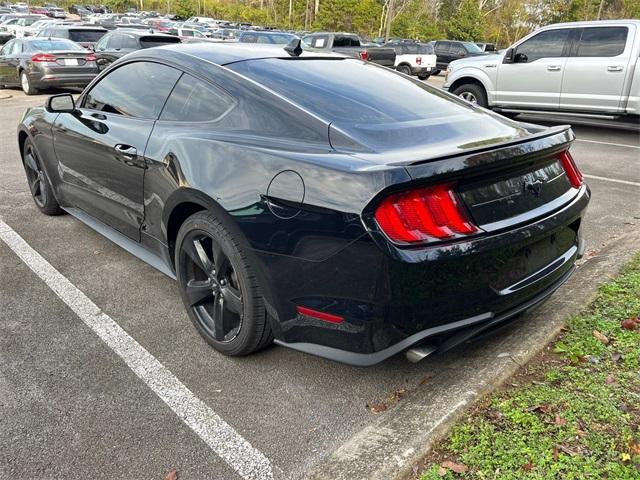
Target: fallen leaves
171	475
454	467
376	407
631	323
393	399
559	420
600	337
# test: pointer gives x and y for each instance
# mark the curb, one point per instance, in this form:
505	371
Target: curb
397	440
4	96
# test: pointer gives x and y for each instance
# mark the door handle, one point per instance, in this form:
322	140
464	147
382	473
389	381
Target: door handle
553	68
126	150
614	68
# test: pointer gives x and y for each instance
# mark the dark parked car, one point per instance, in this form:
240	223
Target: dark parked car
487	47
85	36
340	208
274	38
38	63
118	43
449	50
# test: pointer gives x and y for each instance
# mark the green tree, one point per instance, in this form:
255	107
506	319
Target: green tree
466	23
184	8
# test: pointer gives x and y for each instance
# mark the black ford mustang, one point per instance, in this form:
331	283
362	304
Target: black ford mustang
340	208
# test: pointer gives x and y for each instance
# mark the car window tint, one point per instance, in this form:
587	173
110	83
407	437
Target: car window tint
544	45
129	42
602	42
86	35
115	41
7	47
137	99
346	90
102	44
185	102
150	42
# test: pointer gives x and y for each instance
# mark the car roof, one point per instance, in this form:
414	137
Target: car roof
78	27
225	53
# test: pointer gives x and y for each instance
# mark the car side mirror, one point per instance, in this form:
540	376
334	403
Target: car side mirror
520	58
508	56
62	103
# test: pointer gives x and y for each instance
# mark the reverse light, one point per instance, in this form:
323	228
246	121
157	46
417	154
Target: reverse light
327	317
571	169
431	213
43	57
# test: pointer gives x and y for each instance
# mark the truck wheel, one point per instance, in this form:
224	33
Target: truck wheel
424	76
436	72
406	69
472	93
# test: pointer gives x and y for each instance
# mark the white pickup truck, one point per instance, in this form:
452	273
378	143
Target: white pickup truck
581	69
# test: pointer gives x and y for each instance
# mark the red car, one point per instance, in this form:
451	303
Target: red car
38	10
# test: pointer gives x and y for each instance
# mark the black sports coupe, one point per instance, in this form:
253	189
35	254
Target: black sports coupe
325	203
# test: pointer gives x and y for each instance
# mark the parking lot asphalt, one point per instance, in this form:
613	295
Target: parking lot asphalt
71	408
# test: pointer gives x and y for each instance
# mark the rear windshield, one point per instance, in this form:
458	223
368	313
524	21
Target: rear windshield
51	45
149	42
346	90
86	35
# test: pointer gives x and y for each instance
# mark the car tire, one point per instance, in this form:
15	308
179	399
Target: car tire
25	83
220	290
472	93
41	190
436	72
406	69
424	77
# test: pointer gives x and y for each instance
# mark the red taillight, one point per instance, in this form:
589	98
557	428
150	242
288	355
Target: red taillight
43	57
418	60
327	317
364	56
91	57
571	169
432	213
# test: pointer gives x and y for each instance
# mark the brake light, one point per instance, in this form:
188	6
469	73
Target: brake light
91	57
364	55
431	213
43	57
571	169
418	60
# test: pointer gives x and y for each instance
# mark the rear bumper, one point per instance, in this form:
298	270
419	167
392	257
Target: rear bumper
392	302
40	80
422	70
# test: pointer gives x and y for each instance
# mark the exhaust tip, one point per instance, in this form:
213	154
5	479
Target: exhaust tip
415	354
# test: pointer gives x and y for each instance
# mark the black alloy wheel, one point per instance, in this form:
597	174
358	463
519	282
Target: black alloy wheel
38	184
220	293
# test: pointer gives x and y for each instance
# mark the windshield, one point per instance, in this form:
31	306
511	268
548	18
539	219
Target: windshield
51	45
472	47
86	35
345	90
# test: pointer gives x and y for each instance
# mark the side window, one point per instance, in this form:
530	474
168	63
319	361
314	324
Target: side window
547	44
442	47
102	44
137	100
16	48
185	102
458	50
129	42
320	41
7	47
602	41
60	33
115	42
249	38
339	41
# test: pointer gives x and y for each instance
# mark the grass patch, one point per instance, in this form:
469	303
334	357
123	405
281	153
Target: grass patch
573	412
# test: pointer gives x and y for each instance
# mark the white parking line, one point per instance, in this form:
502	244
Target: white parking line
614	180
248	462
626	145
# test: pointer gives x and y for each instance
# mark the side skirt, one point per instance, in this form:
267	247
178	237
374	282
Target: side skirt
131	246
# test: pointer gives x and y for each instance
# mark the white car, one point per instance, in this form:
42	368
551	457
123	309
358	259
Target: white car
582	69
31	30
22	23
56	12
414	58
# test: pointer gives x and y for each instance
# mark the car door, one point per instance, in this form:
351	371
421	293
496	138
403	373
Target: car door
100	148
596	69
110	51
9	60
534	79
443	52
